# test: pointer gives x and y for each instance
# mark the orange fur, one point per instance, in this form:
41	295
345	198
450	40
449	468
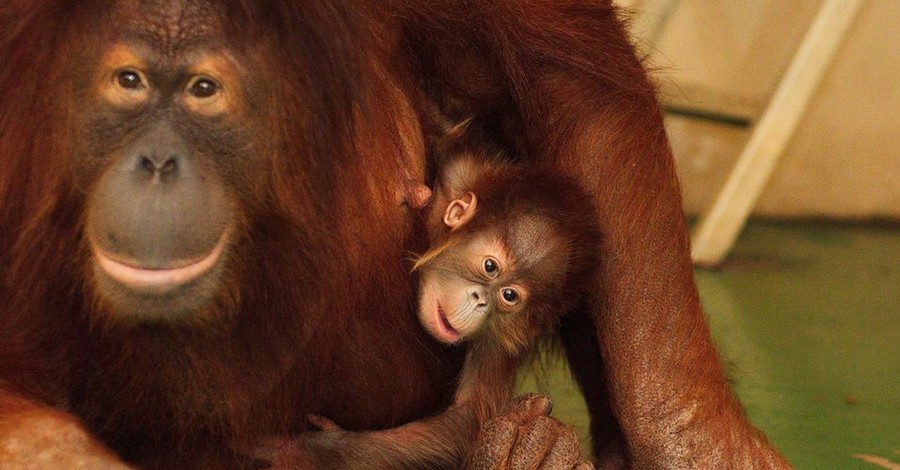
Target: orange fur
314	313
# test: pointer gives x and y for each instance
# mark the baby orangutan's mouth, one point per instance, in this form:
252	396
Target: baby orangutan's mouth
448	333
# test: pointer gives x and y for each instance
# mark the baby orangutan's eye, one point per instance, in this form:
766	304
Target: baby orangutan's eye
491	267
510	296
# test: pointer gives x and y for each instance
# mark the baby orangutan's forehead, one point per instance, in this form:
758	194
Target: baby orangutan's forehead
537	245
530	234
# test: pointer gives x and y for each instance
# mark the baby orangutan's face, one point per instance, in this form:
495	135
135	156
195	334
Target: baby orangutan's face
465	283
468	279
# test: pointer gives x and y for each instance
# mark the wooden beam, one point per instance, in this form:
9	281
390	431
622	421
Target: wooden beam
720	226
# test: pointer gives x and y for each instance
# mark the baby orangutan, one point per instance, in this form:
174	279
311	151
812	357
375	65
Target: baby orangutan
512	250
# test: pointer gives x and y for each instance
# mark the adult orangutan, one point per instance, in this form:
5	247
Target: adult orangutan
201	240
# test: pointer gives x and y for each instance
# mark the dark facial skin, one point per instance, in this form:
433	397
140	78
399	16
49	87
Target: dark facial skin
161	154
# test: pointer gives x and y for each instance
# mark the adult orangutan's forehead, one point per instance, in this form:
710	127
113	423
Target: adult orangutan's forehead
169	25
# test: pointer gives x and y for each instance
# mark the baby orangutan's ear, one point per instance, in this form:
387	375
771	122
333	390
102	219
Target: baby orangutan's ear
460	211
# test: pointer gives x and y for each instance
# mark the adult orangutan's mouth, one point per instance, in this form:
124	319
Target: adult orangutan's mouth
158	280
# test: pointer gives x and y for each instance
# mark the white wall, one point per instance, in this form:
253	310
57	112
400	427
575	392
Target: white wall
727	56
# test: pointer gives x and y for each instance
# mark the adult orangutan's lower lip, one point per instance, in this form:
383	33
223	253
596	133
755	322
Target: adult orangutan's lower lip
159	280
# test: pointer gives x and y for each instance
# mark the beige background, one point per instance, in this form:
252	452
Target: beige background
727	56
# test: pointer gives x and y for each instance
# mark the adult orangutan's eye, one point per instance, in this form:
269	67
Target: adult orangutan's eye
130	79
203	87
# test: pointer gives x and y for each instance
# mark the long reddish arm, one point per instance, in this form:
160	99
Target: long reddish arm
668	388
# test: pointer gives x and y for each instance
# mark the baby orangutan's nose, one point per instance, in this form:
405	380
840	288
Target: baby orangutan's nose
477	295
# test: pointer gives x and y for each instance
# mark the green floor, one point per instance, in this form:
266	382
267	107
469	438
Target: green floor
807	318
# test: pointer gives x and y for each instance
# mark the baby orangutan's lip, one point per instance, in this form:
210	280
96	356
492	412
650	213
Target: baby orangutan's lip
445	331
